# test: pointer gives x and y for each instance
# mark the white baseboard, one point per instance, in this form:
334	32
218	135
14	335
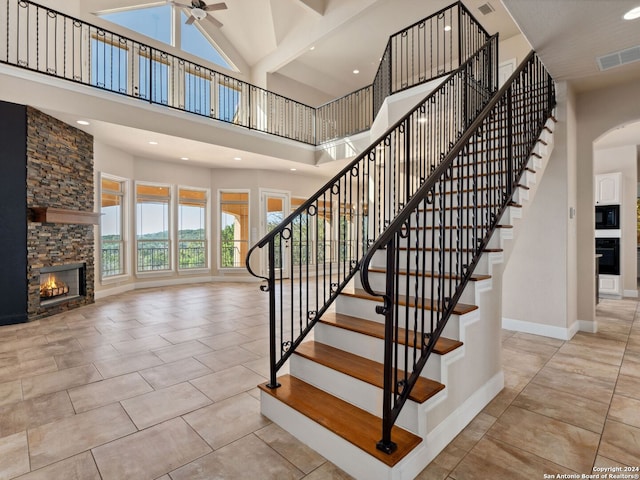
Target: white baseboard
169	282
114	291
552	331
451	426
587	326
631	293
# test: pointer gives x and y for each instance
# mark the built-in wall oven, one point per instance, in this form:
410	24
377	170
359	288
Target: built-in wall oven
609	248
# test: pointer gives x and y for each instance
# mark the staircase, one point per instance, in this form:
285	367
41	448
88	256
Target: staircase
394	349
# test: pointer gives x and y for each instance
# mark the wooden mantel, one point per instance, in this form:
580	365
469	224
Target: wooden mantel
60	215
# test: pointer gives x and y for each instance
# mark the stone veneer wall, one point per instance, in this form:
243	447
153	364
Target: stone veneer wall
60	175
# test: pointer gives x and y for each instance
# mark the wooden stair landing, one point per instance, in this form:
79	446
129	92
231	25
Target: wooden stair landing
376	330
362	368
355	425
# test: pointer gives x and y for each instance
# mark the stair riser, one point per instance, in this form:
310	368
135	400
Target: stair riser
351	305
361	394
378	282
372	348
379	260
353	460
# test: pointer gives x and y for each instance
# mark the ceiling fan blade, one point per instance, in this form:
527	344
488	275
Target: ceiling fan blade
215	7
190	20
214	21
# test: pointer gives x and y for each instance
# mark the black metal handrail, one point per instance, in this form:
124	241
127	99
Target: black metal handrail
435	45
359	203
434	244
42	39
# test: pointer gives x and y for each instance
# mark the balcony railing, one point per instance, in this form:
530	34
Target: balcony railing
153	255
50	42
112	259
192	254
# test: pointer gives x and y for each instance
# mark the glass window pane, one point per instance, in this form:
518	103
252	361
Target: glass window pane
108	64
234	229
192	235
194	41
154	22
197	92
152	227
111	228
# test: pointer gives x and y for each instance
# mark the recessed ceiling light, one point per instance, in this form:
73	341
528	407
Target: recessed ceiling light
237	159
447	28
312	48
153	142
293	169
83	122
632	14
356	71
184	158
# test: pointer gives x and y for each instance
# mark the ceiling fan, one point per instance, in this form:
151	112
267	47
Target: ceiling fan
200	11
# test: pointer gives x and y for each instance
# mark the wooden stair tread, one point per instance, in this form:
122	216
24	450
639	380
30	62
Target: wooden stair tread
431	249
459	309
467	207
376	330
355	425
362	368
473	278
456	227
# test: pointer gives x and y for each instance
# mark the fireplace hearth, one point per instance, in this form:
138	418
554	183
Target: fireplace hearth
62	283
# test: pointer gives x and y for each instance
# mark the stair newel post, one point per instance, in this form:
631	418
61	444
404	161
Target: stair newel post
271	284
385	444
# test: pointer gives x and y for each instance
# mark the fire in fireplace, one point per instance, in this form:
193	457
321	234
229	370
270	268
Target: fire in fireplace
53	288
62	283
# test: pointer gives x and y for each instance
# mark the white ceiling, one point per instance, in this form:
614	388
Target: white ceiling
569	35
275	37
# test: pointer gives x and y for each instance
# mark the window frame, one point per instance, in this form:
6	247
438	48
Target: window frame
170	237
125	230
207	234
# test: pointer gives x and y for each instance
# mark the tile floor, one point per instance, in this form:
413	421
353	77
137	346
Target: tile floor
161	384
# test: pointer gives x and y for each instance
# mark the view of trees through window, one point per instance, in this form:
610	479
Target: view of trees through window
112	227
152	227
192	233
234	228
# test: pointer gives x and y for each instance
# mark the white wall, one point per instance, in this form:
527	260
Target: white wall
539	284
513	47
624	160
598	112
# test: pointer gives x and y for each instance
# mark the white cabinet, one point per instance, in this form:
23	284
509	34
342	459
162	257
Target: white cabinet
608	188
610	284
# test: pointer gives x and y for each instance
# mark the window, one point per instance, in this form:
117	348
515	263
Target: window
154	22
192	231
195	41
234	228
157	22
153	77
112	227
197	92
109	62
228	101
152	227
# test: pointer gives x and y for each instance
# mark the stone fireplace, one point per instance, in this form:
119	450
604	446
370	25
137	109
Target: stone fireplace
60	227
